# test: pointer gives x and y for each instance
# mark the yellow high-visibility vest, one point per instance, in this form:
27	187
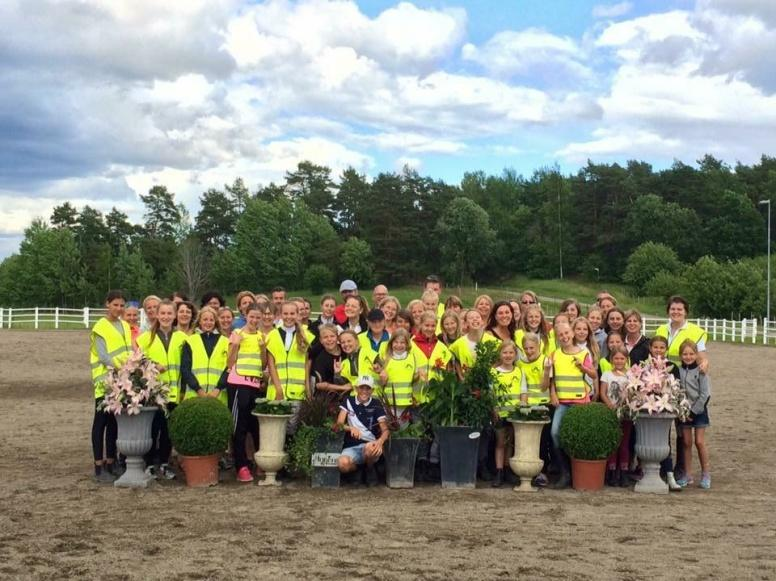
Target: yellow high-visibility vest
690	331
569	381
533	371
118	345
290	365
432	366
208	370
170	358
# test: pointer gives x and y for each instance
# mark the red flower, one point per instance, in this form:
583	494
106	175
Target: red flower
439	364
476	393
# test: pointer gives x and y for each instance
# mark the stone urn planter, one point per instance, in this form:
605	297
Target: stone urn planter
526	462
400	456
271	456
458	451
653	446
134	441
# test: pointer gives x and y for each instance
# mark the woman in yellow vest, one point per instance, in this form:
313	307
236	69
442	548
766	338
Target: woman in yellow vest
398	374
432	356
110	345
287	360
164	346
463	349
570	364
532	321
203	359
513	384
244	386
679	329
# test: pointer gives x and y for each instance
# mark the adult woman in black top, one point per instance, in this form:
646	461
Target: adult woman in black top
635	341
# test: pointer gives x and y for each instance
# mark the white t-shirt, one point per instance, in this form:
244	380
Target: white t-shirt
615	383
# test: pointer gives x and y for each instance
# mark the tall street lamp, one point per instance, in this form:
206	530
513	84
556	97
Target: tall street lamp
768	269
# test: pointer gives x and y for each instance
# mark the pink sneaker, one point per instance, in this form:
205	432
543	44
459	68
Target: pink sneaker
244	475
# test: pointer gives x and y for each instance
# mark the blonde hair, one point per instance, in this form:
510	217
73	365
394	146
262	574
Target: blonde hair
430	294
151	298
212	311
299	334
504	344
451	315
592	344
397	334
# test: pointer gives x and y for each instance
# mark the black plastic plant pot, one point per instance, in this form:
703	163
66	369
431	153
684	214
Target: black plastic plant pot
400	455
328	448
458	452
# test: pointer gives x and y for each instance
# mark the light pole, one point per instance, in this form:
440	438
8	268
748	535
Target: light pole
597	273
768	266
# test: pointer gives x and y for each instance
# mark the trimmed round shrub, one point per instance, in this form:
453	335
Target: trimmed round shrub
200	427
590	432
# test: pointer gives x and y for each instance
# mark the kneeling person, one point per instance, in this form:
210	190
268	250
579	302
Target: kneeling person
366	430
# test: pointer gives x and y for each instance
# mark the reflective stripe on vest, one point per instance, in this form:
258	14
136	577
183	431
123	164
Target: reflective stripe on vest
399	386
207	370
290	365
169	358
569	381
249	363
691	331
533	372
118	346
429	365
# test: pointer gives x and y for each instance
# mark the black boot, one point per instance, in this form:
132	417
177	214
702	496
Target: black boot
611	478
564	478
498	480
484	472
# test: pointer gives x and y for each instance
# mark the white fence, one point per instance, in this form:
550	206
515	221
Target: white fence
754	331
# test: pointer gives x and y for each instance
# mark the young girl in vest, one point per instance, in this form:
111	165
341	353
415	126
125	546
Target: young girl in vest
613	381
245	362
185	317
533	322
431	355
570	365
697	385
398	374
110	345
513	384
349	367
164	346
583	336
595	317
535	368
451	328
204	359
288	361
464	347
390	306
614	340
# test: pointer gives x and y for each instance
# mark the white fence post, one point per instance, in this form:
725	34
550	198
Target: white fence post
10	317
86	317
743	329
765	331
56	317
724	329
1	317
754	331
36	317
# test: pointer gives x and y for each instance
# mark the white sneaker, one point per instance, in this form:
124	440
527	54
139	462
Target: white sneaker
672	484
166	472
152	471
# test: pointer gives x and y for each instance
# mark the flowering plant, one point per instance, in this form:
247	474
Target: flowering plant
134	384
651	388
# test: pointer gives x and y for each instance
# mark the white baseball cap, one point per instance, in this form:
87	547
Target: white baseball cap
366	380
348	285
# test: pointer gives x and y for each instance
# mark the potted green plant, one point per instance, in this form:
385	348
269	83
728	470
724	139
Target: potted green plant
459	409
315	447
200	429
402	448
589	434
653	399
273	418
528	423
134	394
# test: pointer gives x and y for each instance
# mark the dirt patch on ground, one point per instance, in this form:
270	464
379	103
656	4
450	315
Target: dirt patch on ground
56	523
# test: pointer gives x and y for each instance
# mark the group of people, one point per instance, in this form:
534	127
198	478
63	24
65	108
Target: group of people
270	348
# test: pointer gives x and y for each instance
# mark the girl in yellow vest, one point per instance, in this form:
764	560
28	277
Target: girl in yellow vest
352	364
536	371
532	321
570	364
110	345
398	374
583	336
513	383
432	356
288	361
614	340
244	386
463	349
326	366
451	328
390	306
203	359
164	346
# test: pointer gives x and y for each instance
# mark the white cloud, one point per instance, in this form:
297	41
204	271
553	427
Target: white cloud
413	163
531	52
612	10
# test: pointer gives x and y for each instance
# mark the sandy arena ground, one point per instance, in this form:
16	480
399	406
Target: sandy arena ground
56	523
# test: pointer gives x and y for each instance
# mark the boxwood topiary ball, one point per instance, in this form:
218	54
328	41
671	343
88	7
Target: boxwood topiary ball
200	427
590	432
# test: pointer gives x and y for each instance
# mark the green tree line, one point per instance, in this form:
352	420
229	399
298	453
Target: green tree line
314	229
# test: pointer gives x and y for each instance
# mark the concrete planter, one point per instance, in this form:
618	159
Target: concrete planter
271	456
134	441
458	450
652	446
400	457
526	462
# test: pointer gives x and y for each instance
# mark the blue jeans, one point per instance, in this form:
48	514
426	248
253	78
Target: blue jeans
557	417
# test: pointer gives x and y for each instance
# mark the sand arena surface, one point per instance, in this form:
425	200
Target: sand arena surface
56	523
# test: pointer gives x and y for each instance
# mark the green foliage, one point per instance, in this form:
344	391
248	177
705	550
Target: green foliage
528	413
273	407
302	447
317	278
133	274
320	410
162	216
200	427
646	261
664	284
590	432
356	262
467	402
726	289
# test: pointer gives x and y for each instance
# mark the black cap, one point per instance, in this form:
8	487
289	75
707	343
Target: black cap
375	315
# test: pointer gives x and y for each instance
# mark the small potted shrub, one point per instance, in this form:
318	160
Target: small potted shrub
589	434
200	429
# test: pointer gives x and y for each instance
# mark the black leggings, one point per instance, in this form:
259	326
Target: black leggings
161	447
103	426
242	400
